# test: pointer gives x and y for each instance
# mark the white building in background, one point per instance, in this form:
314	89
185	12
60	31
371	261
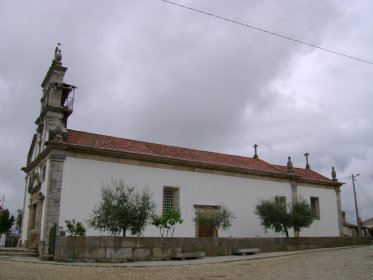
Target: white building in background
66	169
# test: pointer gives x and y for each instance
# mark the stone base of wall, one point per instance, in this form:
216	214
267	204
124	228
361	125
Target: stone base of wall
125	249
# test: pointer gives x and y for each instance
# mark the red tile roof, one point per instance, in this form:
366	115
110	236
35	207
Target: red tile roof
109	143
306	173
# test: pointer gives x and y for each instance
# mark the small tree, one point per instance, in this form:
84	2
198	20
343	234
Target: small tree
75	228
6	221
276	215
220	219
301	214
167	221
273	215
122	209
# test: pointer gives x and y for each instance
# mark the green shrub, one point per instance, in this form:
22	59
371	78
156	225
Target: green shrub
167	221
75	228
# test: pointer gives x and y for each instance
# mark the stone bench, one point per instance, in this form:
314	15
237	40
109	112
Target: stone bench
246	251
187	255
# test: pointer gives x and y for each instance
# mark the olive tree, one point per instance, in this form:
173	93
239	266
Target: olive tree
301	215
122	209
276	215
273	215
220	219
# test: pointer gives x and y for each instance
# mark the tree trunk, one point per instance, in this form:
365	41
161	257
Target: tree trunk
286	232
124	232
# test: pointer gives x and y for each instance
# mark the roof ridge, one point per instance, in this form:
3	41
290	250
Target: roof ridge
170	146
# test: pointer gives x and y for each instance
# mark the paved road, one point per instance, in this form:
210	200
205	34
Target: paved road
350	263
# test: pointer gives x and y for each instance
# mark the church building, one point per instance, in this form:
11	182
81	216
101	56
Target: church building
66	169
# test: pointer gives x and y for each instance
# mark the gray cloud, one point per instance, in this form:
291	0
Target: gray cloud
151	71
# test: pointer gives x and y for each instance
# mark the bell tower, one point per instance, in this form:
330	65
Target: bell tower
44	175
56	102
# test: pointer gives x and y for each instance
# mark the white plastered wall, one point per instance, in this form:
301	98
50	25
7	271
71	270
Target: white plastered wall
327	225
82	181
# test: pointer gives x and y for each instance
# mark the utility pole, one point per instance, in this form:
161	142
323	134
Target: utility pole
358	222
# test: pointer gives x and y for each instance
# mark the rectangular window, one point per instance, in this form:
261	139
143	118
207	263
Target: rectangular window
171	198
315	208
168	199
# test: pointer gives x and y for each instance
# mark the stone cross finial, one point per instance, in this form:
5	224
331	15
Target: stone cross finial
255	151
290	165
307	165
334	174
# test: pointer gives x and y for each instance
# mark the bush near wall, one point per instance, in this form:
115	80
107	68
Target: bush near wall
124	249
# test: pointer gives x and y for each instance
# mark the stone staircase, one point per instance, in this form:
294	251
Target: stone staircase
18	252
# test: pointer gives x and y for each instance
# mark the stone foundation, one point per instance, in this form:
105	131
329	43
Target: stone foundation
124	249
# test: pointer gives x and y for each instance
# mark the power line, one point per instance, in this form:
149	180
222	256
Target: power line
361	189
266	31
361	177
367	176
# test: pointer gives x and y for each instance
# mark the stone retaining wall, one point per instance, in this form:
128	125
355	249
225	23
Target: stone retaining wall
123	249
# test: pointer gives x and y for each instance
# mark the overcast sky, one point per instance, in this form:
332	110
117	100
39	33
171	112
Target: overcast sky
151	71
